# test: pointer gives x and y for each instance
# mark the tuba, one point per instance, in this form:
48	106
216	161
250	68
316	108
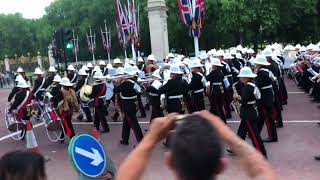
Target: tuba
84	92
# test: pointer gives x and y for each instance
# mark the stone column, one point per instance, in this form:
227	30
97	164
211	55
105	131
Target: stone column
6	63
52	61
39	60
157	13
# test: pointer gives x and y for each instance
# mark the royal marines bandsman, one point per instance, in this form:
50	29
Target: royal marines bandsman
21	101
66	103
175	89
217	89
197	86
128	90
248	95
103	67
38	84
264	81
227	95
154	98
84	106
49	79
72	75
98	94
15	89
55	88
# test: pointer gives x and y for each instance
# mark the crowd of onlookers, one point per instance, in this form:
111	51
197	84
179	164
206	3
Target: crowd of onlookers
6	79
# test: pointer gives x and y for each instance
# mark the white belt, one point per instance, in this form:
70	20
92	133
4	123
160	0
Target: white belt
198	91
267	87
229	75
216	84
102	97
128	98
152	94
175	97
251	102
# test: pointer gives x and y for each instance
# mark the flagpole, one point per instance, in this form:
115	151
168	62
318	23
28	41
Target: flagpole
109	58
74	43
134	56
196	46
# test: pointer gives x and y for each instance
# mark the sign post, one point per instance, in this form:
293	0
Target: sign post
87	156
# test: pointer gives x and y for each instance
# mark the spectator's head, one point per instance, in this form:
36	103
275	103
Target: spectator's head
195	150
21	165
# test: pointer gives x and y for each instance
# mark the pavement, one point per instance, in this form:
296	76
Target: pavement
291	157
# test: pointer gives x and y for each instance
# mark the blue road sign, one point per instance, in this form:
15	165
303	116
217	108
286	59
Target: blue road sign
88	155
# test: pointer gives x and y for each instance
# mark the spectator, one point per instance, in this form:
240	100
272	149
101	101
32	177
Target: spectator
196	150
22	165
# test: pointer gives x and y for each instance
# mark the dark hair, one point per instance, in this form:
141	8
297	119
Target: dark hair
196	149
21	165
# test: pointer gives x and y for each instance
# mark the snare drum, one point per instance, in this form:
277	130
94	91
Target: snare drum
51	120
13	124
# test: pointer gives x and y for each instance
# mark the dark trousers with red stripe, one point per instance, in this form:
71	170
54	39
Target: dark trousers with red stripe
250	127
67	124
217	106
283	94
228	97
266	116
140	105
99	117
277	106
130	120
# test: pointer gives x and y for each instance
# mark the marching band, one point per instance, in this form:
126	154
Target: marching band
234	79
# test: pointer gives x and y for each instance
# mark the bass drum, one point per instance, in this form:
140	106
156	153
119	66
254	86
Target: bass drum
13	125
51	120
53	125
86	90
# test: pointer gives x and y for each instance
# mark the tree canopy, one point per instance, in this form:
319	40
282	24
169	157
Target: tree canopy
227	23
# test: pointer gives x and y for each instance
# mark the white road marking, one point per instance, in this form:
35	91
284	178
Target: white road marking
297	92
147	122
13	134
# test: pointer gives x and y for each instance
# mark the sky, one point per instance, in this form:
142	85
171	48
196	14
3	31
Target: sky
31	9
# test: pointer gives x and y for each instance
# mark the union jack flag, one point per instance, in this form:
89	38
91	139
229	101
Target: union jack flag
123	20
106	39
121	37
91	40
185	12
191	14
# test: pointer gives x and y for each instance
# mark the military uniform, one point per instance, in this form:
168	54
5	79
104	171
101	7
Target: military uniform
155	103
72	77
277	105
13	93
37	89
65	101
196	87
216	93
48	82
175	89
22	99
249	116
98	94
128	91
84	106
227	95
264	83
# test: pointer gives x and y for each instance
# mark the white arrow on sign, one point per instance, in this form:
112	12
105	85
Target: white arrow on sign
94	155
